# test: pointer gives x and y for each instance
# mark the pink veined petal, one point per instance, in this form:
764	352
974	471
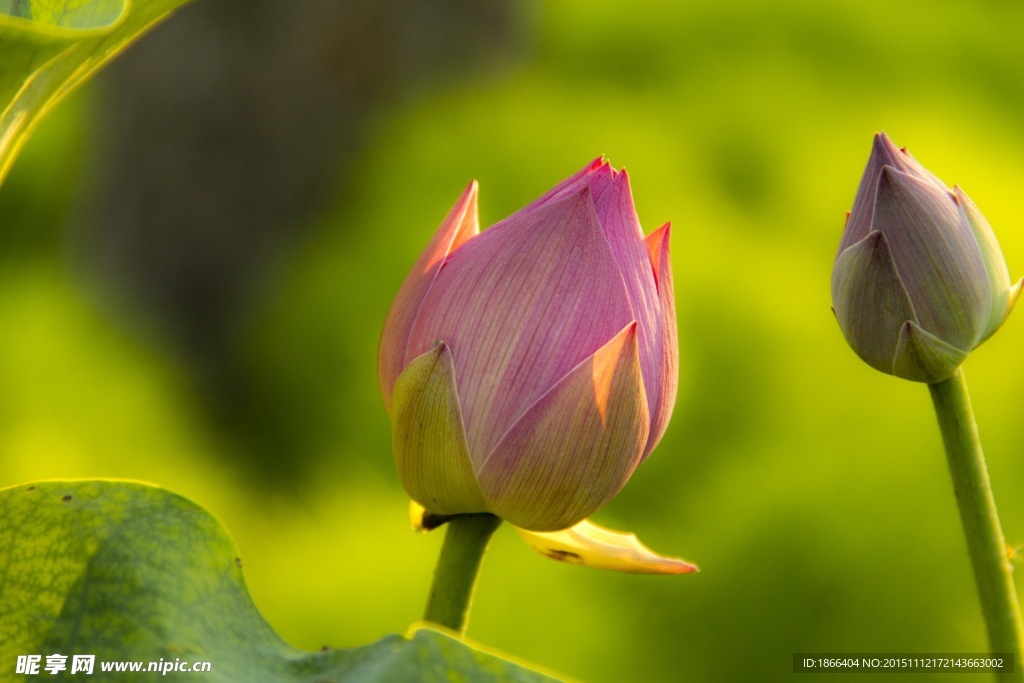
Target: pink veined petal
576	447
936	256
571	183
621	227
520	308
995	264
902	160
458	226
870	301
658	246
858	220
883	153
596	175
601	180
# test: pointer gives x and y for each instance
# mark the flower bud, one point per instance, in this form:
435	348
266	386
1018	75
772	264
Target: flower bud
530	368
919	280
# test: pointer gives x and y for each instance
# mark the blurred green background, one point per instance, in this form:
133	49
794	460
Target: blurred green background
198	251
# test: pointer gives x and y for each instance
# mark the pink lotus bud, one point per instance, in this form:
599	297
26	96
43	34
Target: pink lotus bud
529	369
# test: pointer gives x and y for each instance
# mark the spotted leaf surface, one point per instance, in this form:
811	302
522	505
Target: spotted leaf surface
129	572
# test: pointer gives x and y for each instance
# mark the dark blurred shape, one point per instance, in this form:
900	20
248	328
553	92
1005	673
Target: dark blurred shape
224	134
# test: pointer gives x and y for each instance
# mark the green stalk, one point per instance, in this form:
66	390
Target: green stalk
990	559
465	543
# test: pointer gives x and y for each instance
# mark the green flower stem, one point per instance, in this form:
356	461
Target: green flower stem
465	543
985	543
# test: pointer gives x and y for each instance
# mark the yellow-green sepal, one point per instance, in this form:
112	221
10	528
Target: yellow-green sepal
429	438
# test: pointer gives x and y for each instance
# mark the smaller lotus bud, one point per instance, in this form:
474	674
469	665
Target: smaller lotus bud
919	280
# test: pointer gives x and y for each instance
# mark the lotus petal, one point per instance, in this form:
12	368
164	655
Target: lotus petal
658	248
517	307
576	446
458	226
995	264
870	301
883	153
936	257
590	545
923	357
570	185
618	218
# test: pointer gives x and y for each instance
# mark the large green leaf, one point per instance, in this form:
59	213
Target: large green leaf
129	572
48	47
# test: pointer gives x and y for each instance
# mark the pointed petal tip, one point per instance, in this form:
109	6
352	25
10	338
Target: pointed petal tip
885	153
469	222
440	351
885	176
923	357
662	234
876	240
459	226
964	201
600	179
904	185
595	166
658	249
625	344
629	345
884	144
882	141
583	195
469	199
870	301
428	437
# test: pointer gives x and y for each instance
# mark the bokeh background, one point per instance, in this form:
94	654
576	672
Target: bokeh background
199	248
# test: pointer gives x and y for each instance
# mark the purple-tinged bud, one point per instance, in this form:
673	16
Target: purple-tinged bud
919	280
